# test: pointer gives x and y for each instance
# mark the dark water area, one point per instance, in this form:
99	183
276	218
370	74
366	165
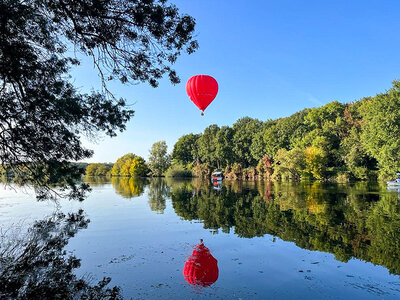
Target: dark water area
260	240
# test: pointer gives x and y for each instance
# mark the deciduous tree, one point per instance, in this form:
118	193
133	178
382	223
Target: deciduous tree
159	160
381	129
185	149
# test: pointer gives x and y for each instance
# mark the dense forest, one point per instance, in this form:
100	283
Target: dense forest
353	141
337	141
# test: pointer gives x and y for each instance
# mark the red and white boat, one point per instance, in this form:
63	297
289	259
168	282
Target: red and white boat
217	176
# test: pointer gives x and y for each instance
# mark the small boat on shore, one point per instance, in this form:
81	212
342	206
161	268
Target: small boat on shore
217	176
394	183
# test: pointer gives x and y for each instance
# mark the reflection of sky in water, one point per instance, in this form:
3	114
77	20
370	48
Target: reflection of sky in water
142	244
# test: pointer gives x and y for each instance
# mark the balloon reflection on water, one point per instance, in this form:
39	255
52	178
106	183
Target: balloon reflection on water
201	268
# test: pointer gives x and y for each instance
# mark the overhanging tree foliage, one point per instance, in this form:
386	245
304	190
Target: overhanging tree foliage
42	114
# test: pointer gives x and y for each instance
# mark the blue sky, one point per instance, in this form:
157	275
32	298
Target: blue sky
270	58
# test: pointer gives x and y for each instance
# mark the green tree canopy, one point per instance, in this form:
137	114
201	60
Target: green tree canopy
381	129
244	131
285	132
289	163
159	160
138	167
97	170
130	165
336	140
207	145
224	146
185	149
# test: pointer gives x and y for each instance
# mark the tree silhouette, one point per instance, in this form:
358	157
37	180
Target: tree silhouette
42	114
35	266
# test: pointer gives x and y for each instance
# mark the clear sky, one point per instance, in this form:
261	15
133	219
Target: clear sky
270	58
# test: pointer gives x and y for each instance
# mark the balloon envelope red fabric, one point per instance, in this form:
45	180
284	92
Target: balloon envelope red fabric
202	90
201	268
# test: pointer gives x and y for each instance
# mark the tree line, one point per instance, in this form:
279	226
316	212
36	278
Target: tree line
342	141
337	141
131	165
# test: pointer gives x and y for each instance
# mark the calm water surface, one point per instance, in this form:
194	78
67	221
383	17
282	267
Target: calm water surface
277	241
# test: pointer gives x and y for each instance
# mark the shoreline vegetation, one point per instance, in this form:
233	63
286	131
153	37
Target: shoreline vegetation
336	142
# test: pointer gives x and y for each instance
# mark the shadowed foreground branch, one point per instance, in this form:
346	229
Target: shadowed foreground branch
42	114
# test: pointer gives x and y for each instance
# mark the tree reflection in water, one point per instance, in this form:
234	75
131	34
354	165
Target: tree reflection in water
129	187
96	180
201	268
35	266
158	192
350	221
360	220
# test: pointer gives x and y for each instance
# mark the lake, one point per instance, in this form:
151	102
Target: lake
270	240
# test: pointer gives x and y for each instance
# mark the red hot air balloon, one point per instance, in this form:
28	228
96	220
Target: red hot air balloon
201	268
202	90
